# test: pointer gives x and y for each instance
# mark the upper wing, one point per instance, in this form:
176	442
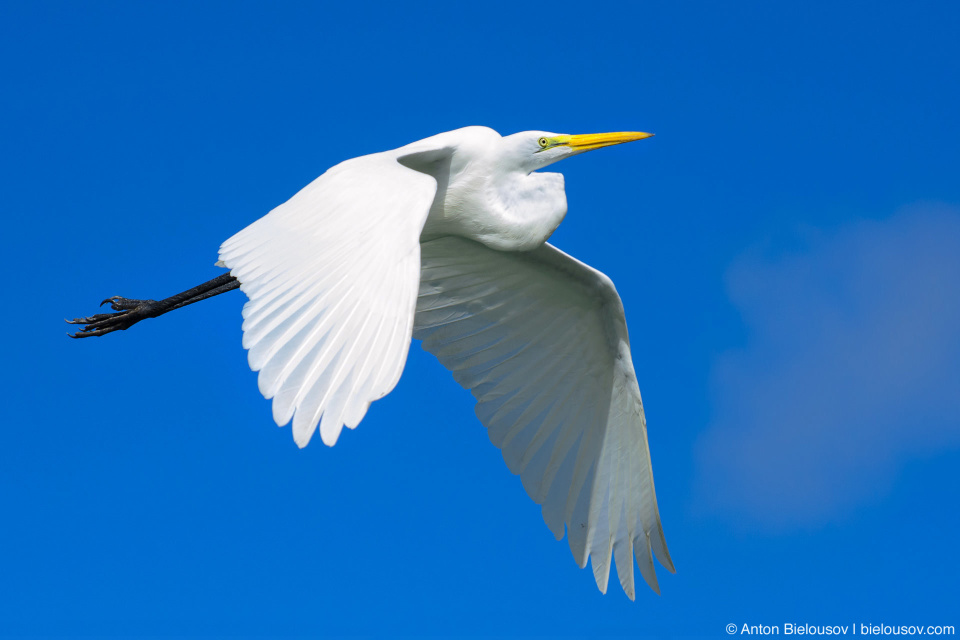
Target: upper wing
541	341
332	279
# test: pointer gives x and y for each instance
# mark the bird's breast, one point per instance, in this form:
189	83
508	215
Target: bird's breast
511	212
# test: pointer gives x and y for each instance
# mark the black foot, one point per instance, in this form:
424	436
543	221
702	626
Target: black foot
129	313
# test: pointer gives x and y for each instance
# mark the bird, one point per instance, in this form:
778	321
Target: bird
444	240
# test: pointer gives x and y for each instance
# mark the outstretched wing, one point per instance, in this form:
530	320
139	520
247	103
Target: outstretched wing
541	341
331	276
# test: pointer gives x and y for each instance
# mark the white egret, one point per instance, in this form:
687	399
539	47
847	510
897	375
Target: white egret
444	240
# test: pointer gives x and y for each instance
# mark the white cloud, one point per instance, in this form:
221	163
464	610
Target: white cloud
851	366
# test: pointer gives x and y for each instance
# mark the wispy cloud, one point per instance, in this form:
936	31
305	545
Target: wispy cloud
851	366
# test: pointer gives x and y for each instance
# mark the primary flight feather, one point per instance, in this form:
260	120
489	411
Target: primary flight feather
444	240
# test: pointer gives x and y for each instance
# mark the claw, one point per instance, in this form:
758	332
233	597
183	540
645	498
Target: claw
97	332
127	313
91	319
119	303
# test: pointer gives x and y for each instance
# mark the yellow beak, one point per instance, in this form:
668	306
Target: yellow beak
588	141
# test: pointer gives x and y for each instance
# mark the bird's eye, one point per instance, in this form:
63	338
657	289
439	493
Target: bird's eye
543	143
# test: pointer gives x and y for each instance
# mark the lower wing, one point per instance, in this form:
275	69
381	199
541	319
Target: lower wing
540	340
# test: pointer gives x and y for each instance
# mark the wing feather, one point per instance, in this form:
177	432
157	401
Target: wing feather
332	279
540	341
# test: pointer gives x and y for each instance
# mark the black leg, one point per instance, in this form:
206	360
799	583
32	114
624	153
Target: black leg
130	311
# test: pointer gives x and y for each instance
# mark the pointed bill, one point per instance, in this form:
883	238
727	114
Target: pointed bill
589	141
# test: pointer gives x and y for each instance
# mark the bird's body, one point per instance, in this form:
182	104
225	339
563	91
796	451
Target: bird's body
483	195
445	240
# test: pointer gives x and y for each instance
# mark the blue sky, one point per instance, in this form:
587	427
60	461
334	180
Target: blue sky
786	249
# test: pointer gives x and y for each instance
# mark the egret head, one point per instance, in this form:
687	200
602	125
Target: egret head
538	149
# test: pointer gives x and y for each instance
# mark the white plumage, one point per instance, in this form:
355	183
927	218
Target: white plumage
444	240
332	278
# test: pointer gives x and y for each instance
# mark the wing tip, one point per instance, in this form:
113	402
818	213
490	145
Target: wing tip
302	438
658	545
642	552
330	436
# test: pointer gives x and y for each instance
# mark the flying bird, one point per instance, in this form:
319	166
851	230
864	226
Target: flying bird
445	240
